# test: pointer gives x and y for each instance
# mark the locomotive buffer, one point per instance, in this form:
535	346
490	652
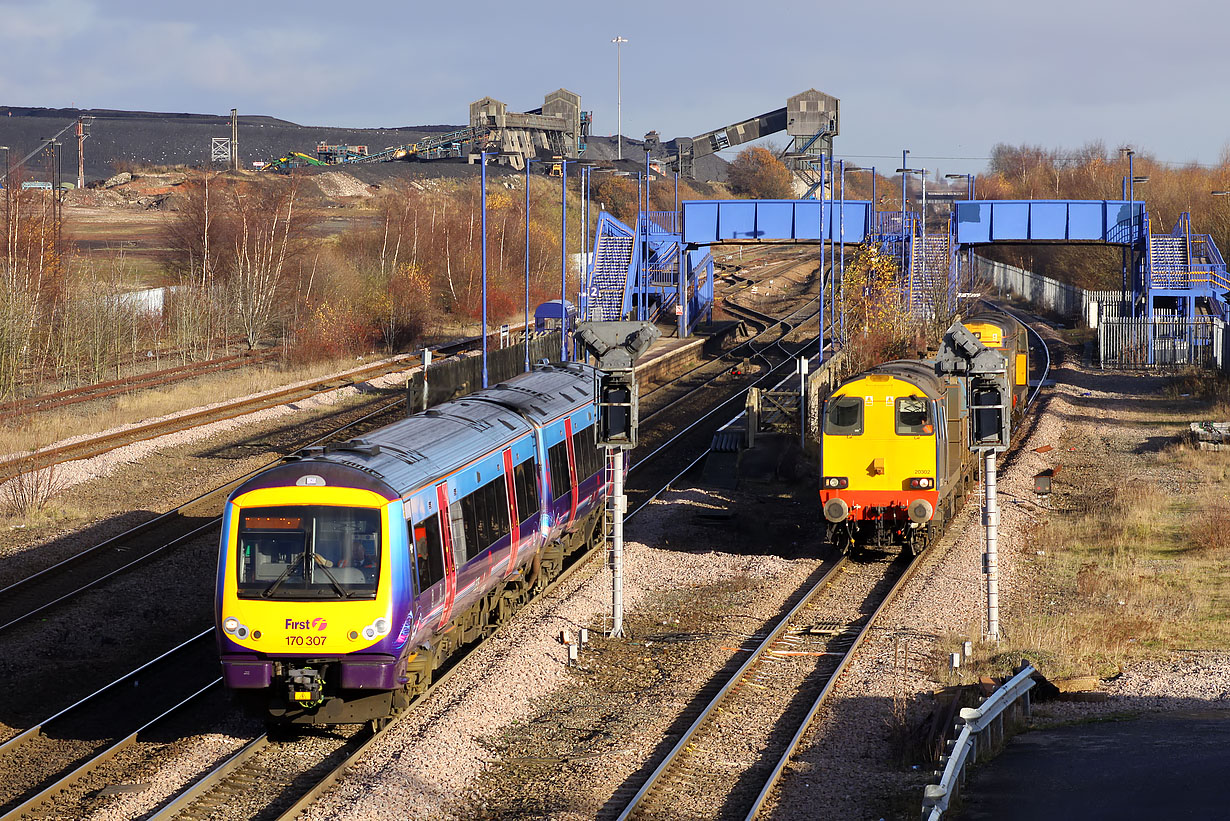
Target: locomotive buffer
989	398
616	346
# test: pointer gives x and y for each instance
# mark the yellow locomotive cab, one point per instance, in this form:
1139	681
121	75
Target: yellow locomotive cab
884	450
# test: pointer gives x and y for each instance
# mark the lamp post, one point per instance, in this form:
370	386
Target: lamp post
483	176
969	195
563	258
527	263
841	237
904	163
619	99
872	170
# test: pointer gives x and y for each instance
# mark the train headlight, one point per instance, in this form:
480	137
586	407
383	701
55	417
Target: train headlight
230	624
381	625
835	483
369	632
241	632
921	483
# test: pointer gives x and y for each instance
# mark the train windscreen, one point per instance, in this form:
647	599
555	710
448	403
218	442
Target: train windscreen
308	552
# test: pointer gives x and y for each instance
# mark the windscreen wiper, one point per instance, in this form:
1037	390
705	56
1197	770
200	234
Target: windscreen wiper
341	591
273	588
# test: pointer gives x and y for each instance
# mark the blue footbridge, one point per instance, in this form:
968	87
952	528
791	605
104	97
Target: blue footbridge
662	265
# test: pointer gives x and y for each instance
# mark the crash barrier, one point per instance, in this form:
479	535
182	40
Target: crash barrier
981	735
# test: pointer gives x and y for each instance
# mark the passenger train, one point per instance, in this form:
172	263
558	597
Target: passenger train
349	573
895	460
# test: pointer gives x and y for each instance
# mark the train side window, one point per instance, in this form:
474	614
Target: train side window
586	453
429	551
526	484
914	416
470	522
485	516
557	459
843	416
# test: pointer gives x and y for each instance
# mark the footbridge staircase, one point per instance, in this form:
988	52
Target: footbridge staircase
644	272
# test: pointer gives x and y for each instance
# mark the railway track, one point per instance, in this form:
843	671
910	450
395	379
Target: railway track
727	762
62	751
37	594
115	387
95	446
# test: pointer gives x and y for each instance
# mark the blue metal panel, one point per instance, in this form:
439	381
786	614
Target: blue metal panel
708	221
807	219
1048	221
1087	220
700	219
737	220
973	222
1045	220
775	219
1010	220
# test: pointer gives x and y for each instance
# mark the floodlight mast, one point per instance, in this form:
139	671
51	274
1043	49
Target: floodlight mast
616	346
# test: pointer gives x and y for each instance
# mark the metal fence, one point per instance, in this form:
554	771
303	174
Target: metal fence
1166	342
1043	292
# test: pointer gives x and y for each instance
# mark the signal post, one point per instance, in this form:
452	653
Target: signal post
616	346
989	398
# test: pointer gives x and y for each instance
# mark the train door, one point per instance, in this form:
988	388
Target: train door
429	562
514	529
448	533
572	471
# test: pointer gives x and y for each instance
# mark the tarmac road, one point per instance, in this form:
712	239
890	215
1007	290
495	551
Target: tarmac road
1158	766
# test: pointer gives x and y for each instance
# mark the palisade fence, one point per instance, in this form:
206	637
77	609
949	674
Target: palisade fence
1167	341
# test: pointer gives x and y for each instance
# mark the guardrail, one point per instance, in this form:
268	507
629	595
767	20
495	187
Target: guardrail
988	719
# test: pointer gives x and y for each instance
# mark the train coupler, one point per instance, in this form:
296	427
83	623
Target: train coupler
305	687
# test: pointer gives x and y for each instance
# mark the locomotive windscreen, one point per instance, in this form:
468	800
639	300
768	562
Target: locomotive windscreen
308	552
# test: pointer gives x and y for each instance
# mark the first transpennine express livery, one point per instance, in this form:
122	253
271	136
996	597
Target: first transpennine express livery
348	574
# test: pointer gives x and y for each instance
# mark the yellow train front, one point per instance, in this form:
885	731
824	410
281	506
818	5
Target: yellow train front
894	456
895	447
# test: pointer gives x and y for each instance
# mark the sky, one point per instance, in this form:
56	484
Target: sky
946	79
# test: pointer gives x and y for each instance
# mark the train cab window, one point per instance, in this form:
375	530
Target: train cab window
914	416
307	552
526	485
557	460
429	551
843	416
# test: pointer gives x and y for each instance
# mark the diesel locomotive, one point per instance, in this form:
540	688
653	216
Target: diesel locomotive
895	461
349	573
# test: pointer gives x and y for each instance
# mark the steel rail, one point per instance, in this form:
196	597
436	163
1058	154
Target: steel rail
754	658
10	744
775	775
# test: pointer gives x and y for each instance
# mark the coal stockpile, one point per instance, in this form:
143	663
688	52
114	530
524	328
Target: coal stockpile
119	138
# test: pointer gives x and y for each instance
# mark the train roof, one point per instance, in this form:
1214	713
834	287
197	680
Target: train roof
545	392
917	372
396	459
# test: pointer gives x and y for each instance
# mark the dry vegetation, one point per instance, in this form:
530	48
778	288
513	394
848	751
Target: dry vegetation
1134	569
